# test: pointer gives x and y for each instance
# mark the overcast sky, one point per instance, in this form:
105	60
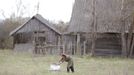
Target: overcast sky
54	10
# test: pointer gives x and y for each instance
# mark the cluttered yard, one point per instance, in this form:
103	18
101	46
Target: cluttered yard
12	63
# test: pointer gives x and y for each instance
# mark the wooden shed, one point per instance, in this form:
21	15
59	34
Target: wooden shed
37	35
96	24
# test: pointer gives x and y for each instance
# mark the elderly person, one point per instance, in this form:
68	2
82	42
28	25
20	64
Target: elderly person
69	60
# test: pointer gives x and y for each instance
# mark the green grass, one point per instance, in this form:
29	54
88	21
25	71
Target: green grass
27	64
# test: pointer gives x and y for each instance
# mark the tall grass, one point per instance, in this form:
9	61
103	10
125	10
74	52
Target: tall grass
12	63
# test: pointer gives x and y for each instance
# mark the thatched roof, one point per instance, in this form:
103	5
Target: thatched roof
40	19
108	15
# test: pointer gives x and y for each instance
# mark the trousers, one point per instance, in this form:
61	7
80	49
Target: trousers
70	68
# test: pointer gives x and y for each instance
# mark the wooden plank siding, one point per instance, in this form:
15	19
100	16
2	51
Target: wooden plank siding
106	44
39	35
107	17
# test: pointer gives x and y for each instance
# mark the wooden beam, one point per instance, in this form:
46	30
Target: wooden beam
130	39
84	50
59	43
132	47
78	45
93	45
124	48
71	50
63	48
123	37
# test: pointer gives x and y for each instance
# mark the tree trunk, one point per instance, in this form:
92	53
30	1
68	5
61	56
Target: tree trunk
94	28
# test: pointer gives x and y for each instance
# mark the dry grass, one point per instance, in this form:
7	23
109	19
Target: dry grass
26	64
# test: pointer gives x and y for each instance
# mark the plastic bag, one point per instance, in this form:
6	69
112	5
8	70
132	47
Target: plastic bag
55	67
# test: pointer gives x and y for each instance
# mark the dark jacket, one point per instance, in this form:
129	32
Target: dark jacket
69	61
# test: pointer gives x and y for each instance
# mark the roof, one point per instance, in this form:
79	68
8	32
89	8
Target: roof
108	16
41	19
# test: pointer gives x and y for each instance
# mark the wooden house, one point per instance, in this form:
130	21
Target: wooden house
37	35
96	26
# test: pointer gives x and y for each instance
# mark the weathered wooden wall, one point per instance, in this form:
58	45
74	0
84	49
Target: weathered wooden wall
107	17
35	25
106	44
27	47
27	33
69	43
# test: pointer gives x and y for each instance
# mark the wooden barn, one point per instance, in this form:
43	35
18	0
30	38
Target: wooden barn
37	35
96	27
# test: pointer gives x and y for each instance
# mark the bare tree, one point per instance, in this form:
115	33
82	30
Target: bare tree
62	26
94	25
19	8
2	13
38	6
8	24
